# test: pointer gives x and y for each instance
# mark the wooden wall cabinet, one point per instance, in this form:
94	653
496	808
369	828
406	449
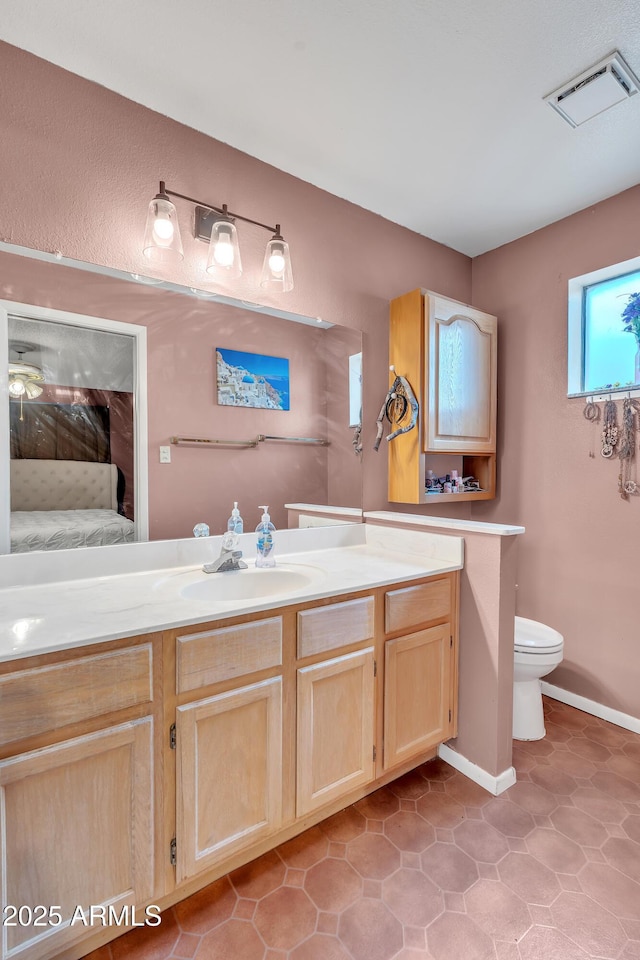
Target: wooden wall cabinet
448	353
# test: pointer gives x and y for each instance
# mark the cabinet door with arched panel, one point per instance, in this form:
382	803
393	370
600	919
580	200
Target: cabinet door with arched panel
461	377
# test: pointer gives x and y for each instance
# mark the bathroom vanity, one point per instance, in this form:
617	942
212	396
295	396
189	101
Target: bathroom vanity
140	763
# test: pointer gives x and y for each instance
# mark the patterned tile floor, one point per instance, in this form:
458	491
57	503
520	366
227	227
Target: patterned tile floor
434	868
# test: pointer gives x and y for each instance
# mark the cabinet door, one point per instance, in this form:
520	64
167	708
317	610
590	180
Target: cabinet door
335	728
77	832
229	777
418	708
461	377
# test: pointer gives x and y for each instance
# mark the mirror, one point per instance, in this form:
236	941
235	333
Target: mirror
184	330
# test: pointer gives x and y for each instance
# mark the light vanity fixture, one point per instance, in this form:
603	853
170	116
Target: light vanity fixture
216	225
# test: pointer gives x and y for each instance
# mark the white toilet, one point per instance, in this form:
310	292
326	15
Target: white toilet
537	651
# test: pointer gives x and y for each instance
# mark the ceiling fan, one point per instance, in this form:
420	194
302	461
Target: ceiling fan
24	378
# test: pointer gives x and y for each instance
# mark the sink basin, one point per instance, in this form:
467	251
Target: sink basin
250	584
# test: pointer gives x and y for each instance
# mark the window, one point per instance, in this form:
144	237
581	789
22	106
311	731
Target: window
603	356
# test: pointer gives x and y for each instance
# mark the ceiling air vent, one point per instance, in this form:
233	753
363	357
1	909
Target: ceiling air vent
595	90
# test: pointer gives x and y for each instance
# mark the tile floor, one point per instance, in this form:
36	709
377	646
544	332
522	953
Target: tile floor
434	868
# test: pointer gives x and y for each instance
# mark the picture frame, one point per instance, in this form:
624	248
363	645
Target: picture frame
252	380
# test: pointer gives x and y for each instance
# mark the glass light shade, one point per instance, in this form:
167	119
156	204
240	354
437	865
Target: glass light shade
16	388
32	390
224	261
276	268
162	241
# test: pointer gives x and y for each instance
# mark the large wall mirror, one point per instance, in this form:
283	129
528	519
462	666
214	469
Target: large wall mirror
105	372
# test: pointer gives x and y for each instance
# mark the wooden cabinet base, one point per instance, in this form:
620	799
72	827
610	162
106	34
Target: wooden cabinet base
229	782
189	887
334	757
226	742
69	846
417	680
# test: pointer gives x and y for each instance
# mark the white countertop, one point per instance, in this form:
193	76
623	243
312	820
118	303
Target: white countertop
425	520
55	615
354	513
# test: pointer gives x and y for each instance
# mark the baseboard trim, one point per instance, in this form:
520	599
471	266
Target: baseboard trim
495	785
591	706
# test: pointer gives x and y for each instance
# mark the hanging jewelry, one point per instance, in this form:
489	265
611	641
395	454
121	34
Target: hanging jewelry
609	429
591	413
626	484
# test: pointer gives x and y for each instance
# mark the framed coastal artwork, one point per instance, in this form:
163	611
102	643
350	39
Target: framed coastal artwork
252	380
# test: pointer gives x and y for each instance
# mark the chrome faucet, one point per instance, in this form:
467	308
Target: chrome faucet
229	558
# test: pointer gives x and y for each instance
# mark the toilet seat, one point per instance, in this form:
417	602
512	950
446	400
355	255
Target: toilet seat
533	650
533	638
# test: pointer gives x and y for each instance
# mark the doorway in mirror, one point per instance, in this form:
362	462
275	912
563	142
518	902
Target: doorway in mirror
74	431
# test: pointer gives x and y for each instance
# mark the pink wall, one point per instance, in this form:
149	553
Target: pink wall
577	566
81	163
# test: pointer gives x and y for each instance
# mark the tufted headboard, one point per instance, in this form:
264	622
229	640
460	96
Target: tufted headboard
63	485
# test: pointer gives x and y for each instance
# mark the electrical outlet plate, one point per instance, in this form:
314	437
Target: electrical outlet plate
165	454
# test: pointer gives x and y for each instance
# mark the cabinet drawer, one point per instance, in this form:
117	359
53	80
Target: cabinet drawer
44	698
411	606
216	655
333	626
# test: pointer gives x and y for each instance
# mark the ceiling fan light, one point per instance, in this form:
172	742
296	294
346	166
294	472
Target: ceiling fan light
24	378
17	387
32	390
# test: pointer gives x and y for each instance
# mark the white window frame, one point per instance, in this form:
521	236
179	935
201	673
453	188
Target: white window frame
575	343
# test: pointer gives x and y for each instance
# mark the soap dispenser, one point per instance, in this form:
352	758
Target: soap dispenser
264	543
235	522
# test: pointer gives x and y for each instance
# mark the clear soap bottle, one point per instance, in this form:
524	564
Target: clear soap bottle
264	542
235	522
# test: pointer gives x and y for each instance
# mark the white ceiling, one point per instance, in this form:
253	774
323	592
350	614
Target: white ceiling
428	112
73	356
